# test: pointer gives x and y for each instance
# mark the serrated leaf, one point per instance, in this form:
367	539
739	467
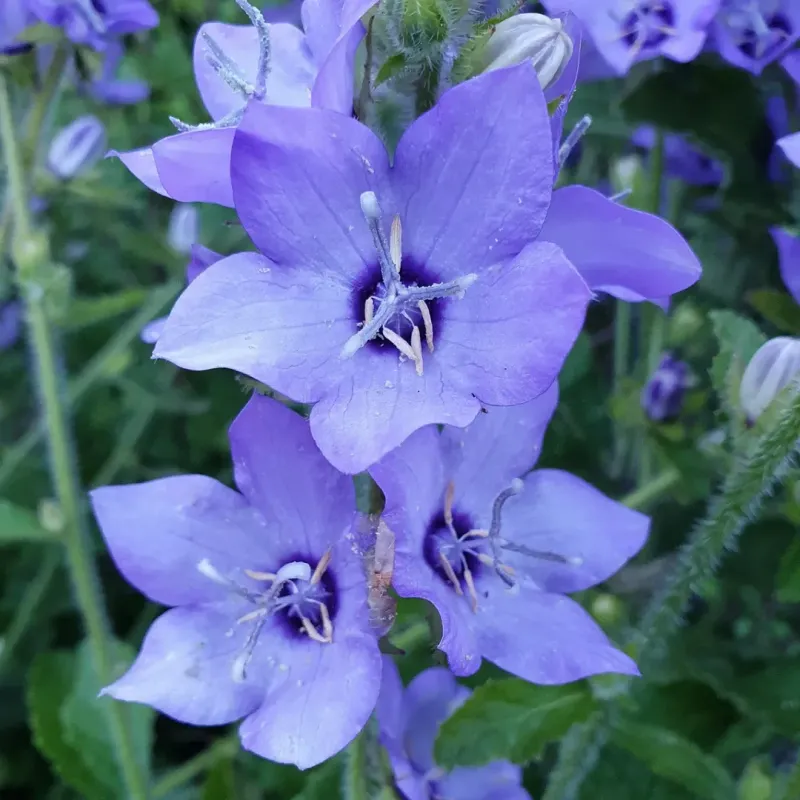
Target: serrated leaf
49	682
678	759
778	308
390	68
510	719
788	580
84	718
20	525
470	58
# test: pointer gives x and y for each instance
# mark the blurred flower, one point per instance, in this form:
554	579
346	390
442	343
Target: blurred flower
10	323
268	617
535	37
270	63
201	259
409	721
15	17
791	147
662	396
627	31
480	224
682	160
788	259
107	88
95	22
496	554
774	366
753	33
183	229
76	148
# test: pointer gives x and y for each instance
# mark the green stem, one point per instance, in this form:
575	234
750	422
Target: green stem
652	490
747	486
622	358
226	747
354	779
30	256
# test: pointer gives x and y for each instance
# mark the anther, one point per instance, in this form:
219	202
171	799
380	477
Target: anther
427	323
322	565
206	568
473	595
449	494
416	349
450	572
399	342
313	633
260	576
369	310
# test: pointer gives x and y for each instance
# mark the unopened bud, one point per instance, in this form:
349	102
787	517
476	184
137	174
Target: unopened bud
530	37
77	148
183	230
424	22
607	609
662	396
774	366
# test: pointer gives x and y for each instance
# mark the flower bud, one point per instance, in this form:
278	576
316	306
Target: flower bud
183	229
773	367
535	37
662	396
77	148
424	22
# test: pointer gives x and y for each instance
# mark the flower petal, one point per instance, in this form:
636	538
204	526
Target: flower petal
298	176
543	638
323	695
482	459
473	189
564	88
158	532
559	513
279	469
142	164
379	403
614	246
791	148
506	340
282	326
194	167
496	781
788	259
184	668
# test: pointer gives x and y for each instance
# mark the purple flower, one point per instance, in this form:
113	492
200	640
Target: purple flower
201	259
95	22
395	297
268	617
76	148
753	33
107	88
627	31
791	147
270	63
496	555
788	260
409	721
662	396
791	63
10	323
15	17
682	160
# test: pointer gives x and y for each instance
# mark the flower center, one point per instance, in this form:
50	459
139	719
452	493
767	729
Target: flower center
647	24
398	311
458	552
304	598
755	33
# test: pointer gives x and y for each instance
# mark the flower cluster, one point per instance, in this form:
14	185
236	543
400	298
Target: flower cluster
440	284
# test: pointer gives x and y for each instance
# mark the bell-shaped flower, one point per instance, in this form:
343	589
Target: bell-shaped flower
408	723
396	296
628	31
76	148
773	367
268	617
753	33
497	550
264	63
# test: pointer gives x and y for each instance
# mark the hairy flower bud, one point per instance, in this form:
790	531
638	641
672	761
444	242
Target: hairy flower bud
773	367
77	148
183	229
535	37
424	22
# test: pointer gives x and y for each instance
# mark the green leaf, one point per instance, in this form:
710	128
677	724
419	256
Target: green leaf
510	719
771	694
220	783
390	68
788	580
21	525
678	759
578	363
84	718
324	782
778	308
89	310
49	682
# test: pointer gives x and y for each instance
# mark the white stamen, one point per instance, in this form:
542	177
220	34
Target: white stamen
416	349
370	207
473	595
449	493
239	666
427	322
259	576
321	567
401	344
450	572
205	567
396	243
369	310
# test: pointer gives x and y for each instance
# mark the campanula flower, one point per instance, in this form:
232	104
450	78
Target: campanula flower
627	31
397	296
753	33
682	160
107	88
76	148
15	17
263	63
788	246
409	720
773	367
95	22
496	553
268	615
10	323
662	396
